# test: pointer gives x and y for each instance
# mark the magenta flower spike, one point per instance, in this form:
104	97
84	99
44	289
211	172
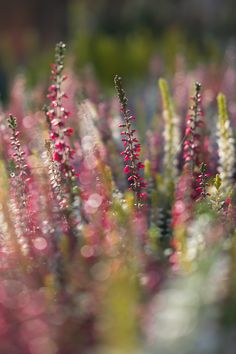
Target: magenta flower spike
57	116
132	147
61	152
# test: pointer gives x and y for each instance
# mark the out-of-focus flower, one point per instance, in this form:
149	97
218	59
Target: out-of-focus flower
226	144
171	136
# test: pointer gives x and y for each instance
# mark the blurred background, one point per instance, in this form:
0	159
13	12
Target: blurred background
129	37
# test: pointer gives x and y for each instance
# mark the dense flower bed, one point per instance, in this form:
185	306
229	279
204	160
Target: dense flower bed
114	239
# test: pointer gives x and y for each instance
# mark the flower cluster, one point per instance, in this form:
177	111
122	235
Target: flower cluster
57	115
192	144
132	147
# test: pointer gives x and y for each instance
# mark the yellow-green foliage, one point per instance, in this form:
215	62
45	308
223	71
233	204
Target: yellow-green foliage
225	144
216	197
119	321
222	107
171	135
166	100
147	169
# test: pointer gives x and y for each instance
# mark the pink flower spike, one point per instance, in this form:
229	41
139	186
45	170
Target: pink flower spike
131	144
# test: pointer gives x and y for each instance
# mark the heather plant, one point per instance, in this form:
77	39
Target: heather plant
20	193
57	115
192	143
132	147
60	153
